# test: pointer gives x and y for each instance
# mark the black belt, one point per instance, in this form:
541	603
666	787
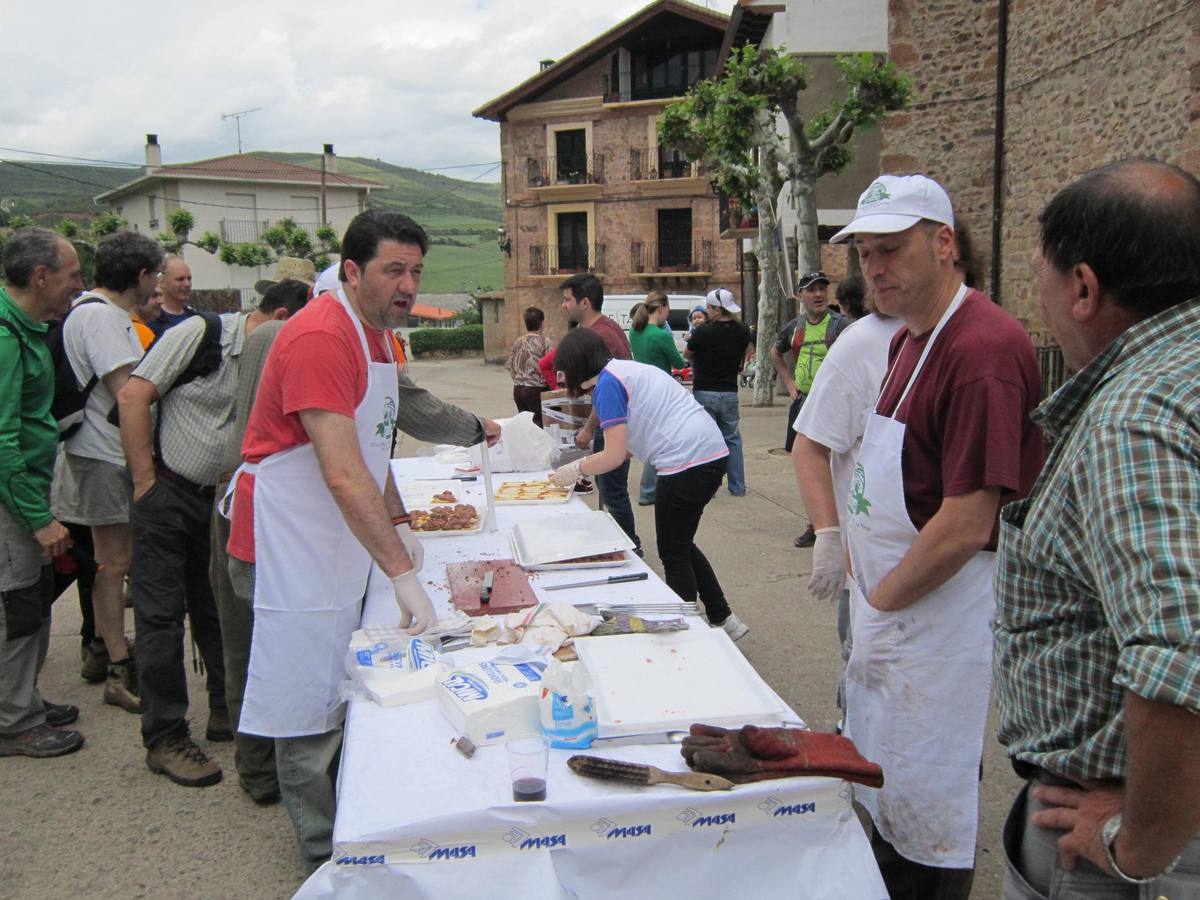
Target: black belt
1029	772
200	490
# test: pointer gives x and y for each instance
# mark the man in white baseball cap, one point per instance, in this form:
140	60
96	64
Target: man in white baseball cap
948	441
716	350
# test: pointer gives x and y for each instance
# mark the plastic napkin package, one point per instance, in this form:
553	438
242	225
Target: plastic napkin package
567	707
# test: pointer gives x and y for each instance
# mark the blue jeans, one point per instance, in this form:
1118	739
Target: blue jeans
308	782
614	491
723	407
646	489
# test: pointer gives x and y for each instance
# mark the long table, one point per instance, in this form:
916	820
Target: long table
417	820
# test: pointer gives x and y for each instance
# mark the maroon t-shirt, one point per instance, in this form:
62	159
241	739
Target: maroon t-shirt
966	419
614	337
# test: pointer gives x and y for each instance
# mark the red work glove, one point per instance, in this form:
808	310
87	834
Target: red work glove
756	754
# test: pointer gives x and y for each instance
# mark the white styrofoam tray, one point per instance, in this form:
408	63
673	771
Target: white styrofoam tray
566	564
553	538
419	494
665	682
529	476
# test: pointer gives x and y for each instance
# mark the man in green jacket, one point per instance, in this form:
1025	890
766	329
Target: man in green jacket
43	276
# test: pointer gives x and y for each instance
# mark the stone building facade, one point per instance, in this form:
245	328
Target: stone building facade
588	187
1088	82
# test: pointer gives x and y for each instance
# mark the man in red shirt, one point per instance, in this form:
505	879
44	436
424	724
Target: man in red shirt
582	300
315	504
949	441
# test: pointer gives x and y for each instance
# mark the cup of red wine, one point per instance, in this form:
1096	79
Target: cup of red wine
528	755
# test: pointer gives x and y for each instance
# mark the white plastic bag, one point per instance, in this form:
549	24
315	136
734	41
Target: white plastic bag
523	447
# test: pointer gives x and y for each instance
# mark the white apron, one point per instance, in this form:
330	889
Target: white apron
310	573
918	680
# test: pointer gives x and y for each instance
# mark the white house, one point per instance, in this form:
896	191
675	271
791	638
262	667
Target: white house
236	197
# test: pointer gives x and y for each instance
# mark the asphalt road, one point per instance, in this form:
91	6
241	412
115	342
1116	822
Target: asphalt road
98	823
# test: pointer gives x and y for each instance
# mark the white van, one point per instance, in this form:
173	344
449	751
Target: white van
619	307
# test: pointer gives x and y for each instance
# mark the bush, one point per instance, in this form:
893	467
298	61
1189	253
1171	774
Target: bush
447	340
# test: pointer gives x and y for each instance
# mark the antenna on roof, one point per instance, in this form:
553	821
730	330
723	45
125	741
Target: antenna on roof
237	118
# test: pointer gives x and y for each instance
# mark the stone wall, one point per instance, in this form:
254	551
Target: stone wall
1089	82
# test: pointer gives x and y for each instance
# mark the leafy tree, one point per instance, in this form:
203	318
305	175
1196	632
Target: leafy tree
731	126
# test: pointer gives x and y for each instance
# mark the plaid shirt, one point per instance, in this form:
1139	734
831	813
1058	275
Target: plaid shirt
1098	571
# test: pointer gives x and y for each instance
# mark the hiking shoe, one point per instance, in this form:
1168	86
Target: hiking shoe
219	728
40	741
60	714
735	627
121	686
95	662
178	757
807	539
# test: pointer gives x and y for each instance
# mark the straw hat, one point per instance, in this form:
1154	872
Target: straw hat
289	267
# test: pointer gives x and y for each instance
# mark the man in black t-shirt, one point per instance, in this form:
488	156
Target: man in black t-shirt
717	350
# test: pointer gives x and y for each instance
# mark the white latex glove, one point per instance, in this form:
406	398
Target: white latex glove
568	474
829	564
418	615
416	550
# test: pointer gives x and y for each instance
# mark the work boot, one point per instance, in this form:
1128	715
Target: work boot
178	757
219	728
121	687
40	741
60	714
807	539
95	662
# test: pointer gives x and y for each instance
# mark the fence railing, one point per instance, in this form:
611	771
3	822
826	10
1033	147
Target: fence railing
670	256
543	171
248	231
551	259
648	163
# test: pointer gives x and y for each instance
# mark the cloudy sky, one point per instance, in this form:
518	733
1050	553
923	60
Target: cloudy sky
395	81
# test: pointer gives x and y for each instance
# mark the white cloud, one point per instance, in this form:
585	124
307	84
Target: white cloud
395	81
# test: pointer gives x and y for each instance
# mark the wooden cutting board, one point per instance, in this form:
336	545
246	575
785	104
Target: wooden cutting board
510	592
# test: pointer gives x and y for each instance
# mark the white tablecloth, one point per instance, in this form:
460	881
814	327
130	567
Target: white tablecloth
417	820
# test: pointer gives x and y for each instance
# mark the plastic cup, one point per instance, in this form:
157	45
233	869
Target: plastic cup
528	755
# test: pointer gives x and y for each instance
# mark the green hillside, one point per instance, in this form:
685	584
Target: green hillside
461	216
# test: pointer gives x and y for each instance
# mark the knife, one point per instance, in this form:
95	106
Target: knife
654	737
446	478
612	579
485	592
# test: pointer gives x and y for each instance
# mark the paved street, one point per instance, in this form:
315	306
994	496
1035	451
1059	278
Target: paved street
99	823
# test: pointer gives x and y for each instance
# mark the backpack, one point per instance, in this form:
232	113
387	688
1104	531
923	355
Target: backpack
69	397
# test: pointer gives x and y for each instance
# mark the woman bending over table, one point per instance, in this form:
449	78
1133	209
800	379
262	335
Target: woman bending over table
643	411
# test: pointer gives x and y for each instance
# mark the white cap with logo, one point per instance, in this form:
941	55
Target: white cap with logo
895	203
722	297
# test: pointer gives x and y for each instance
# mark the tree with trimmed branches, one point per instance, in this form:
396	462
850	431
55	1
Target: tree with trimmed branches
731	126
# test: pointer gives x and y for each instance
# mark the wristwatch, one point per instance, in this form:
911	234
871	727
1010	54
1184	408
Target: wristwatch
1108	837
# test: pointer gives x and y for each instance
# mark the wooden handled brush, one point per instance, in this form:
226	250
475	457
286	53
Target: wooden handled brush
635	773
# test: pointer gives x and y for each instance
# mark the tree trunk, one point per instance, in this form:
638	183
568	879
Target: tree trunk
804	202
770	297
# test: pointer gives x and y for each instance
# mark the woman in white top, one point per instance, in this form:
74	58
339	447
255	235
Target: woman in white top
643	411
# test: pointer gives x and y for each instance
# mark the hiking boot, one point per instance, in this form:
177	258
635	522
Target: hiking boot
60	714
219	728
735	627
95	662
178	757
40	741
121	687
807	539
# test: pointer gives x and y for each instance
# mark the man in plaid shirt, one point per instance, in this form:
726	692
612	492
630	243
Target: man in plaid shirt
1097	657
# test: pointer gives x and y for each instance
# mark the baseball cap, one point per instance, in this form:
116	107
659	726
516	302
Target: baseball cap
288	267
327	281
722	297
896	202
811	278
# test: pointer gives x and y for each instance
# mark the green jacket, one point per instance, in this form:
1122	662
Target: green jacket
656	347
28	432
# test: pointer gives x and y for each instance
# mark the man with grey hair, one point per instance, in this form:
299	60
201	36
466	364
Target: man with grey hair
90	484
1098	572
43	275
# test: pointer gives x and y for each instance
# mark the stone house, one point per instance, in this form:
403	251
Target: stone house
587	187
236	197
